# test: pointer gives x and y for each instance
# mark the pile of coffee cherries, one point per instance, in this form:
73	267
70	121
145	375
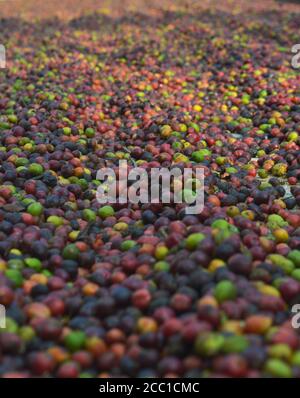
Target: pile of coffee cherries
147	290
